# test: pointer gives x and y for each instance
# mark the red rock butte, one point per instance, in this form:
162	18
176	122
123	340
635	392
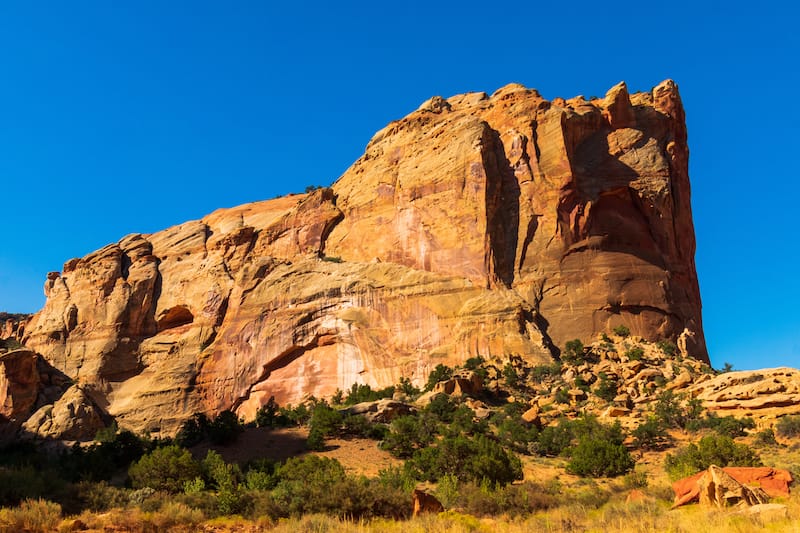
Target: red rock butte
498	226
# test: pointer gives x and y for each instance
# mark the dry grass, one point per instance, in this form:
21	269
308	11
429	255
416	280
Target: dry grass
645	517
32	516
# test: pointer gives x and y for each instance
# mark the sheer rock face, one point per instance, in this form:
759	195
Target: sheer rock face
477	225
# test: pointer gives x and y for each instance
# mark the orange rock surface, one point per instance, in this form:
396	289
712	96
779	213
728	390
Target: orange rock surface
478	225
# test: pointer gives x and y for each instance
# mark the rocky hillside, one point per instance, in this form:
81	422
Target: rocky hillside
499	226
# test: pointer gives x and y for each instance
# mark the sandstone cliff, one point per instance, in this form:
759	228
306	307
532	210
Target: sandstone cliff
497	226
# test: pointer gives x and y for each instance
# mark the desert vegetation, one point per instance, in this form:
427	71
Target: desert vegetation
524	450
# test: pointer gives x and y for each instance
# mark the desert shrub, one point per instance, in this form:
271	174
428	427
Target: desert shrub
313	484
441	408
562	396
225	428
463	422
540	372
358	425
559	439
554	440
622	330
100	496
481	499
193	431
269	415
667	347
514	433
606	389
407	388
405	436
765	437
326	419
726	425
25	482
473	363
650	434
440	373
635	354
295	416
479	458
315	440
719	450
32	516
596	457
174	514
668	410
510	375
573	352
396	477
363	393
634	480
788	426
167	468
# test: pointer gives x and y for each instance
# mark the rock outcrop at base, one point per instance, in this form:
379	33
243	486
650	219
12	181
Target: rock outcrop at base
764	394
497	226
732	486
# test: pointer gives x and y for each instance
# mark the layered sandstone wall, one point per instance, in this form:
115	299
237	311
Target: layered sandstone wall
477	225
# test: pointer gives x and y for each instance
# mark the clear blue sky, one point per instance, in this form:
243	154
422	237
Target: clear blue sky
118	119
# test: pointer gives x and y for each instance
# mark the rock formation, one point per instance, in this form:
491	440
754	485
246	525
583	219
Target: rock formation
723	487
498	226
762	394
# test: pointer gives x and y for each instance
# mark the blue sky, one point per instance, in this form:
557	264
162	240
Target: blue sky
129	118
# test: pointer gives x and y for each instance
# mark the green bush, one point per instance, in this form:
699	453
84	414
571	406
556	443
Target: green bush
193	431
595	457
562	396
363	393
474	363
407	388
269	415
635	354
441	408
573	352
167	468
788	427
622	331
515	500
540	372
668	410
406	435
766	437
719	450
667	347
514	433
440	373
554	440
479	458
225	428
313	484
650	434
296	416
510	375
23	482
606	389
726	425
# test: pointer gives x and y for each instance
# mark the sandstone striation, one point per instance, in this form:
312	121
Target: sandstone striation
499	226
761	394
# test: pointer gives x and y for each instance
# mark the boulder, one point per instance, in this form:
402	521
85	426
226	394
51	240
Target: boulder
19	383
74	416
383	411
726	486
